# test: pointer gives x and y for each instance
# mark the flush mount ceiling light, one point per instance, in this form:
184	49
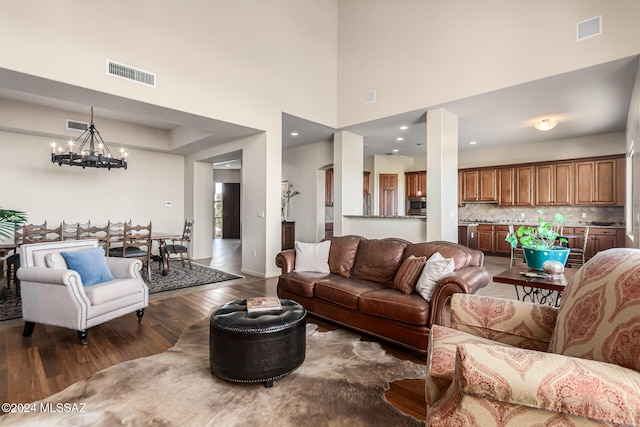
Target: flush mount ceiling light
545	124
294	133
92	152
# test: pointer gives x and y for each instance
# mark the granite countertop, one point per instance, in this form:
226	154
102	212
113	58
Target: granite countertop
518	223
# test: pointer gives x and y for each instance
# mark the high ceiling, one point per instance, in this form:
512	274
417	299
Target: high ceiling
590	101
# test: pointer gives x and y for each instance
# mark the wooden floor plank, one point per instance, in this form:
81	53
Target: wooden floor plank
52	358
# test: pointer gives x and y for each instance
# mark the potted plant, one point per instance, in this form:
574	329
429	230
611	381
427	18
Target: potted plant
8	220
539	243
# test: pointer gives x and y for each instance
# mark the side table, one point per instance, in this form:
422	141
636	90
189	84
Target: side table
539	289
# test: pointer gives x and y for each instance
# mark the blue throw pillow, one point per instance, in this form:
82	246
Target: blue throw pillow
90	264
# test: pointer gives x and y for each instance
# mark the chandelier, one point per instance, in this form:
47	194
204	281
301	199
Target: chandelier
92	152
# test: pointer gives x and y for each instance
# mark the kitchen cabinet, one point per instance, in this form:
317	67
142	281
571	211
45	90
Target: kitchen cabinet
501	246
365	182
468	235
460	186
596	182
288	234
328	230
506	186
554	184
328	187
479	185
416	183
485	238
599	239
524	180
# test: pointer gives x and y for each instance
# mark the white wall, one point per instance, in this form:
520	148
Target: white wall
411	229
419	54
632	207
227	175
586	146
46	191
300	165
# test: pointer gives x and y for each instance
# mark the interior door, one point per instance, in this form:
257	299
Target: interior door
231	211
388	194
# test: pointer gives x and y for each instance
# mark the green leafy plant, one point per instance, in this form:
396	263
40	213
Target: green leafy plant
544	236
8	220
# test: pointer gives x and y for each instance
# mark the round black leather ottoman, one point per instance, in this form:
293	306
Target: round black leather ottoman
257	348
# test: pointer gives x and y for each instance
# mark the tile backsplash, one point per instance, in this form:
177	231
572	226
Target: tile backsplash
489	212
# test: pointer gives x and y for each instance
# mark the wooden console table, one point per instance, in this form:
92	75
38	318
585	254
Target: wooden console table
541	288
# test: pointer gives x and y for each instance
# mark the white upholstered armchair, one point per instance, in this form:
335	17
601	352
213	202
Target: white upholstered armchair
53	291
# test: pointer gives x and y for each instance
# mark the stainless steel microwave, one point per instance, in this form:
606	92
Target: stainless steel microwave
417	206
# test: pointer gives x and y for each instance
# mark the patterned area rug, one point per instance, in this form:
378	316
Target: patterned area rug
178	278
340	384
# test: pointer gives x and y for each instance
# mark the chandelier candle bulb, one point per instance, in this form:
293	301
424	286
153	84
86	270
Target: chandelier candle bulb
53	148
100	149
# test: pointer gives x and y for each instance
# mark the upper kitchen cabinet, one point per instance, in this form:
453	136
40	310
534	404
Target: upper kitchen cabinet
596	182
416	183
506	196
479	185
328	187
554	184
524	181
365	182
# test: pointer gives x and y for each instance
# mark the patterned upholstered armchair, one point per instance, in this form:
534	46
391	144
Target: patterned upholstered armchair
509	363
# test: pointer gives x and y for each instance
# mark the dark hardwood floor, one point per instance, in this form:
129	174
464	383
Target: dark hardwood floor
52	358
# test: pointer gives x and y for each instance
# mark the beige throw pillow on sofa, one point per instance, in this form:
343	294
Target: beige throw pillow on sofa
435	269
312	257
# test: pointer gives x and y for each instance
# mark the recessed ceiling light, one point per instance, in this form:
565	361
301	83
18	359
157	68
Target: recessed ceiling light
395	150
294	133
473	142
399	138
404	127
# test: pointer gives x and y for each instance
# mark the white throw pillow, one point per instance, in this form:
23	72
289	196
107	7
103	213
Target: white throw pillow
312	256
55	260
435	269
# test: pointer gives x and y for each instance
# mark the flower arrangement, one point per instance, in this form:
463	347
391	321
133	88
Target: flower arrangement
543	236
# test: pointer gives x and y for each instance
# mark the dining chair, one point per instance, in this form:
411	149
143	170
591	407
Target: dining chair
178	248
70	229
516	253
31	233
136	243
101	234
577	255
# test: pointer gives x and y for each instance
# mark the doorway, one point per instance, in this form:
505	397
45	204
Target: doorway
388	194
226	209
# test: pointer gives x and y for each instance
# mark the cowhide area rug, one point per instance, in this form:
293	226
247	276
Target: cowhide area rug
341	383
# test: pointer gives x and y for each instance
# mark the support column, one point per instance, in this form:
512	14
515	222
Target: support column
348	163
442	176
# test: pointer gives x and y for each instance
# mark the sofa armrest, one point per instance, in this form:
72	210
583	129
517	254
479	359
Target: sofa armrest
286	260
49	276
580	387
124	268
517	323
466	280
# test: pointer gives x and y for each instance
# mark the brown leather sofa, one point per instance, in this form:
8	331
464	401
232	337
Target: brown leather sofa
359	293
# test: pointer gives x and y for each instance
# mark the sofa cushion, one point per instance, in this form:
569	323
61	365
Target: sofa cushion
112	290
462	256
342	254
391	304
345	292
599	317
408	273
312	257
90	264
378	260
435	269
300	283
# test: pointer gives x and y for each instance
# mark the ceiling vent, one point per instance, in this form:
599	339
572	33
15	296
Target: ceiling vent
129	73
589	28
79	126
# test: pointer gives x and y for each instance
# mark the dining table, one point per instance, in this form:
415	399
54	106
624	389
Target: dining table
162	238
